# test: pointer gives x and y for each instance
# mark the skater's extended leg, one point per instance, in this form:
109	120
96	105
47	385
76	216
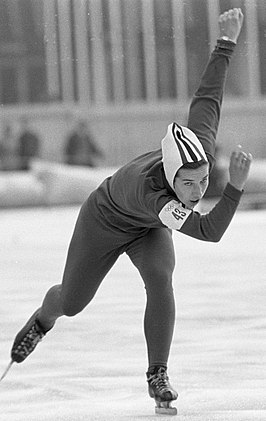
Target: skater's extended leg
88	261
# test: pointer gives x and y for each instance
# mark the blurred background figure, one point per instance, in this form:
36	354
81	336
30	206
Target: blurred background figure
28	146
80	148
7	148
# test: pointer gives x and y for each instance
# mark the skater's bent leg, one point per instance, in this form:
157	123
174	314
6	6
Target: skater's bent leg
154	257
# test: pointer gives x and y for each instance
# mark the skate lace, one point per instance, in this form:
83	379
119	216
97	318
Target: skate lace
160	381
29	341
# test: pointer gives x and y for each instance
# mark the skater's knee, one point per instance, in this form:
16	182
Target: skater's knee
74	301
70	309
59	299
162	288
158	275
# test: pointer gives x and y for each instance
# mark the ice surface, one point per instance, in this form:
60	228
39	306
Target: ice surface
92	366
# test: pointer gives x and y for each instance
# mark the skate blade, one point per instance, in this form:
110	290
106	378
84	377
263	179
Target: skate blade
165	408
6	370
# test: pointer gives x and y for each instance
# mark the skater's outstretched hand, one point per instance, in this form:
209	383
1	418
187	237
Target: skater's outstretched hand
239	168
230	24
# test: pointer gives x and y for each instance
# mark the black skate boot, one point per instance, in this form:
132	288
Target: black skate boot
27	339
162	392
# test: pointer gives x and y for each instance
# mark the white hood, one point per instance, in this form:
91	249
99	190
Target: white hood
179	146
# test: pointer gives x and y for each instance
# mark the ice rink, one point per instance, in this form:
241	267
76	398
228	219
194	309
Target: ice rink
92	367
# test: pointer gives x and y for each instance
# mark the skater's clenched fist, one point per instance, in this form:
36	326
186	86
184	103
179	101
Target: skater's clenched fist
230	24
239	168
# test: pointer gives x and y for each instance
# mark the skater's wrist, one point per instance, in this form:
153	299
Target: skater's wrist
224	44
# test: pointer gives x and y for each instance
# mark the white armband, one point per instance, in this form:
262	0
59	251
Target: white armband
173	215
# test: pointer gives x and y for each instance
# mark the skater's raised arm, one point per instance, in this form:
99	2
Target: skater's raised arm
190	181
204	113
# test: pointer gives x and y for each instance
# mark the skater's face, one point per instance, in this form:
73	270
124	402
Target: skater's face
191	184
